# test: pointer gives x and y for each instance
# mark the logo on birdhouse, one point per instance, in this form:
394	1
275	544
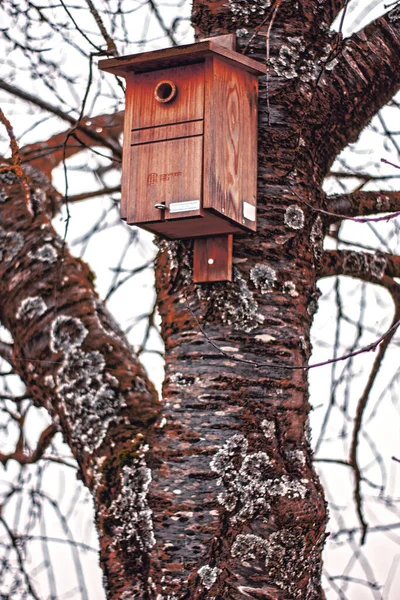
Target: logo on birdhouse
152	179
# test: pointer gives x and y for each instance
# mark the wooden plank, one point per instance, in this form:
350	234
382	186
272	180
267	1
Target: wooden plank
212	259
192	227
167	172
179	55
187	105
230	139
167	132
228	40
126	170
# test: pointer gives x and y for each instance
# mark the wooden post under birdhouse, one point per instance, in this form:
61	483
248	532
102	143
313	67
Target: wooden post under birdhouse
190	147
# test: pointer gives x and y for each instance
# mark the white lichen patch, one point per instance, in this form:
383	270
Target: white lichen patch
296	60
31	308
91	401
3	197
269	428
296	457
46	253
248	547
263	278
378	266
394	15
11	243
286	63
294	217
66	333
244	12
355	262
49	381
265	338
289	287
283	555
382	203
248	480
208	575
303	344
133	516
317	238
232	303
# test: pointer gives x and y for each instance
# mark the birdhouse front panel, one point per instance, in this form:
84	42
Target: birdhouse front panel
190	140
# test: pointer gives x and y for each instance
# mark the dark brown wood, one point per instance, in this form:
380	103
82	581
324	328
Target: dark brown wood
166	132
212	259
192	227
176	56
230	137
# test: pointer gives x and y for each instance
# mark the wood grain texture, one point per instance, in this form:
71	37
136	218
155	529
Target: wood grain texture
212	259
164	172
188	105
176	56
126	159
230	141
167	132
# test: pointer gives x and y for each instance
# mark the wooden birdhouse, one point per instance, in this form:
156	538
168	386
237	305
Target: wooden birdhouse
190	146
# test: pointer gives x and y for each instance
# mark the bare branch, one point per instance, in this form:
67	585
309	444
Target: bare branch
16	166
363	203
366	266
365	77
102	192
24	458
48	154
80	126
6	351
111	47
394	288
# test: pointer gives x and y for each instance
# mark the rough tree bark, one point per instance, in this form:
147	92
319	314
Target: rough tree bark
212	494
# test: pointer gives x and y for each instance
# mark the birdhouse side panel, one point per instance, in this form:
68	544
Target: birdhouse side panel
230	141
168	96
126	158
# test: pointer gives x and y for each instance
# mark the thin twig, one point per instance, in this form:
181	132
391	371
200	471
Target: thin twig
361	406
16	166
369	348
111	47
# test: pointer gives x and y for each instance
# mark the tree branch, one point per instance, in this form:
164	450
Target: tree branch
394	289
91	133
365	78
47	155
76	362
6	352
370	267
363	203
24	458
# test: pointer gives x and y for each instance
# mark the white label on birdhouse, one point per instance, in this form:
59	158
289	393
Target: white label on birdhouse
249	211
178	207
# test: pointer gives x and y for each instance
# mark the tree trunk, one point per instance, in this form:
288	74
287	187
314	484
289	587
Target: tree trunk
217	497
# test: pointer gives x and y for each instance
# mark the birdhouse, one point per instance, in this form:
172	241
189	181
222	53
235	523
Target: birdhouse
189	165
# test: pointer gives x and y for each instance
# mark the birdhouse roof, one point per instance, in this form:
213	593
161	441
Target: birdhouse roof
178	56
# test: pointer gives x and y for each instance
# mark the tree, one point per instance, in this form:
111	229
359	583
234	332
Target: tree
211	493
